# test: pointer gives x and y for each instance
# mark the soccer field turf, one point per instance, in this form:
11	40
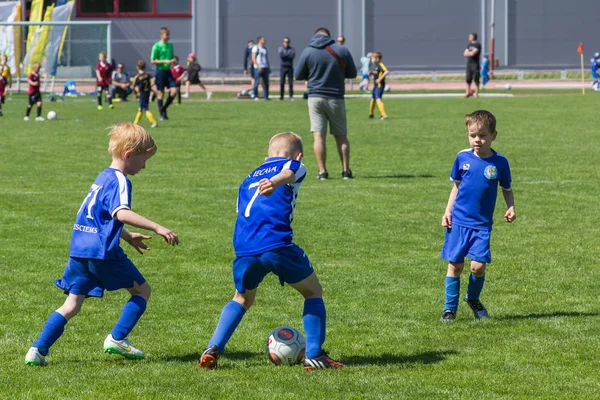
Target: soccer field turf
374	242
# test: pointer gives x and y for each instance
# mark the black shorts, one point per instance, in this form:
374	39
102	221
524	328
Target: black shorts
34	98
164	79
102	88
194	79
144	102
472	74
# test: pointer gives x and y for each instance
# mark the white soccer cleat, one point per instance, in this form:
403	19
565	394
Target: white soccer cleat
26	119
122	348
154	125
185	96
208	95
39	119
34	357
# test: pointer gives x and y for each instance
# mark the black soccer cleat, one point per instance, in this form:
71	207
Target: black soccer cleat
323	176
321	362
209	358
347	175
479	310
448	316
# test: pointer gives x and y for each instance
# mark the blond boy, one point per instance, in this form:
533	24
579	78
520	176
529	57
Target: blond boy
96	260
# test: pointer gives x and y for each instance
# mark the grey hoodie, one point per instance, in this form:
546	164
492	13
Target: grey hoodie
323	71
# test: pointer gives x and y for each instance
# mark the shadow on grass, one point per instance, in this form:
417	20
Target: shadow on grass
555	314
430	357
193	357
398	176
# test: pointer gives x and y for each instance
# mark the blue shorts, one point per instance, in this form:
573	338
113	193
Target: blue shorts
377	92
595	76
289	263
144	103
164	78
91	277
365	76
464	242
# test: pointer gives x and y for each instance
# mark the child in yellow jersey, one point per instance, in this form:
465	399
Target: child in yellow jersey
142	84
6	75
378	71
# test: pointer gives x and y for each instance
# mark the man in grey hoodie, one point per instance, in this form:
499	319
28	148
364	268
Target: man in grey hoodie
326	65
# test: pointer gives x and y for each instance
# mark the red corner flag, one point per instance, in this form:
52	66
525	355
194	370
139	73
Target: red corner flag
580	48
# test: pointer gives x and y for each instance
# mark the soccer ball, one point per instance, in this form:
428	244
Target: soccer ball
507	87
387	88
285	346
52	115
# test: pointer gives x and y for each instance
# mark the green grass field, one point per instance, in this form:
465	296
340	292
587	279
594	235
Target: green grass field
374	242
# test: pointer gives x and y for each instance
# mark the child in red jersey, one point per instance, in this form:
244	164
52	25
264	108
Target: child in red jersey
35	96
178	71
103	78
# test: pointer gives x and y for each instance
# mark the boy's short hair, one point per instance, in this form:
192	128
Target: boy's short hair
103	53
127	136
141	65
176	58
164	29
481	119
293	142
378	54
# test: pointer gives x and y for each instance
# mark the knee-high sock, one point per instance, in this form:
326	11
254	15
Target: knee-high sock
475	287
313	319
28	110
169	101
150	117
132	311
100	99
159	102
452	293
39	111
53	329
231	316
372	107
381	108
138	117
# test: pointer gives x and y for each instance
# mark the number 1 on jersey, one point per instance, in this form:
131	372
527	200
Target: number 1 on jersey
249	206
93	193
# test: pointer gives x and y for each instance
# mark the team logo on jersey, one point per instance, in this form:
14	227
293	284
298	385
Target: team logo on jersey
490	172
466	167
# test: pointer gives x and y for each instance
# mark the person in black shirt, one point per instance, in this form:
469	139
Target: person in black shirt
473	54
287	55
248	65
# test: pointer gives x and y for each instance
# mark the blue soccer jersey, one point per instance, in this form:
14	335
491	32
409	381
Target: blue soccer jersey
96	231
265	222
595	67
478	180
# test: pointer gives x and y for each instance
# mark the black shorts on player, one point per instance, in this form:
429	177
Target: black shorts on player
102	88
34	98
164	79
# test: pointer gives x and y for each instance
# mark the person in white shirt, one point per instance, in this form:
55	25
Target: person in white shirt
260	59
121	84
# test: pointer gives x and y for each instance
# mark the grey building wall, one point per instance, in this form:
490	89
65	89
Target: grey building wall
423	34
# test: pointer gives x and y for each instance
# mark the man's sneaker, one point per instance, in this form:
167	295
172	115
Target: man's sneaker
209	358
371	116
26	119
154	125
323	176
383	118
34	357
122	347
185	96
321	362
100	107
448	316
347	175
478	309
39	119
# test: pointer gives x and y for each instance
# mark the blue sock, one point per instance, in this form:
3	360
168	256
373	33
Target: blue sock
132	311
231	316
313	318
53	329
452	293
475	287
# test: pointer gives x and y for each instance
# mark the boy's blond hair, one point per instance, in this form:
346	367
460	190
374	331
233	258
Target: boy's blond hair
289	142
127	136
481	119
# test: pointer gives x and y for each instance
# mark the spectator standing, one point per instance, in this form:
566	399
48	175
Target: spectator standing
473	55
341	40
287	55
326	65
248	64
121	85
260	59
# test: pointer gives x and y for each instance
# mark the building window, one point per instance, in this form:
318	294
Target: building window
134	8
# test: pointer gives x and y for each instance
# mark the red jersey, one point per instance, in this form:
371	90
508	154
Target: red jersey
105	74
33	77
177	71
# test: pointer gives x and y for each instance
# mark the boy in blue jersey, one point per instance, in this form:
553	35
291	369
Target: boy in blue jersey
594	69
468	219
96	260
263	243
485	70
